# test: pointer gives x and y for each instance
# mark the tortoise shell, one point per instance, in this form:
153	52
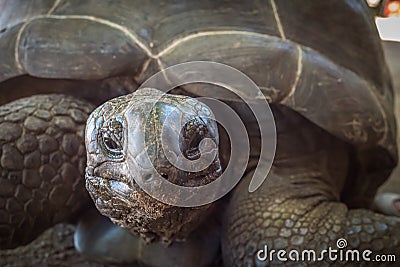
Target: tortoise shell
332	70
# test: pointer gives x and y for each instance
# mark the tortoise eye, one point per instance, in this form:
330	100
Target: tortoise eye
112	138
194	133
110	143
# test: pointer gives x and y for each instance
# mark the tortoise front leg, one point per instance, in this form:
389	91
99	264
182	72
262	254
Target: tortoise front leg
299	204
293	213
42	162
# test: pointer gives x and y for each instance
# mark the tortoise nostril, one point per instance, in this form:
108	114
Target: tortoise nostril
90	171
147	178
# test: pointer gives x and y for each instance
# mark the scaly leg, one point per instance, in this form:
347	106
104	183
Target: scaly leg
299	204
42	161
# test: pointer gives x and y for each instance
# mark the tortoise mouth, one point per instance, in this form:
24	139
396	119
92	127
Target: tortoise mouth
111	187
137	211
111	197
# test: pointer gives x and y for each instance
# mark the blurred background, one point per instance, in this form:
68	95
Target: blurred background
387	19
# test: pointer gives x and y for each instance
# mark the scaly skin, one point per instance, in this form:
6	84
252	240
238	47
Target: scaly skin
42	161
299	205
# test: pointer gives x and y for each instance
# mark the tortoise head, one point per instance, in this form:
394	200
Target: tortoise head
133	139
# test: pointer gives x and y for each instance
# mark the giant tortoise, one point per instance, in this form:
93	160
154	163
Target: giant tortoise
319	64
